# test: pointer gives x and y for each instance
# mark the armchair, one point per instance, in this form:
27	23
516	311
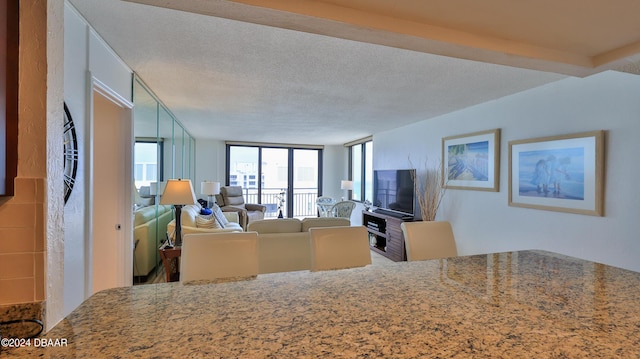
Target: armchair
325	206
231	199
343	209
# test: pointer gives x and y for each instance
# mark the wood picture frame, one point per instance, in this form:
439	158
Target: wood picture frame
472	161
558	173
9	46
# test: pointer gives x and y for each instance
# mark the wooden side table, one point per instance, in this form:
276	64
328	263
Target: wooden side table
171	261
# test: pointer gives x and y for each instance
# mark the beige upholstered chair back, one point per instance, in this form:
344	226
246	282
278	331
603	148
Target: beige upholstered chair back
339	248
215	256
428	240
232	196
280	225
343	209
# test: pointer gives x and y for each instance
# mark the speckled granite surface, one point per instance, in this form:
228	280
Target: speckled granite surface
509	305
18	312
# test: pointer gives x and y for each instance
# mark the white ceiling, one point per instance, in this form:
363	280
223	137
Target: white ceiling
237	80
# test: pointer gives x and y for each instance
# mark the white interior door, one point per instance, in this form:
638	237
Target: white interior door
111	221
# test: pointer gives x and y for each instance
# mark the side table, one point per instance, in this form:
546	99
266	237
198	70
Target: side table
171	261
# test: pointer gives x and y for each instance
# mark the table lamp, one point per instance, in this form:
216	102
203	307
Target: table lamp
346	184
210	189
156	189
178	192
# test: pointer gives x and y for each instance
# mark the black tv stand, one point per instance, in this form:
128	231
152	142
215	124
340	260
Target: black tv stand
385	234
389	213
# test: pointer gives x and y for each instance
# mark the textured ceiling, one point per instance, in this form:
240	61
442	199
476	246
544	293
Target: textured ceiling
235	80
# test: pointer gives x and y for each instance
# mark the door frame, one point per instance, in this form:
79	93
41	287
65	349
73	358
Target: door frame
124	268
290	164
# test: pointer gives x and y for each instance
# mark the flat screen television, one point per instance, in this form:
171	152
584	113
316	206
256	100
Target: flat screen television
393	191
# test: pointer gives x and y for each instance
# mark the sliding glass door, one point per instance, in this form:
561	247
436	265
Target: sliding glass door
284	179
306	179
275	175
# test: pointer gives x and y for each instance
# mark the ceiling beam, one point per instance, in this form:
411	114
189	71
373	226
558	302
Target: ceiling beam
328	19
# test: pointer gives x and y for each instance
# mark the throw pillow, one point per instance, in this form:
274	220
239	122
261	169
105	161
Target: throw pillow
207	221
217	212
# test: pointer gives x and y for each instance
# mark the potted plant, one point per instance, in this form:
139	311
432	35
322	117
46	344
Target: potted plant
281	197
429	190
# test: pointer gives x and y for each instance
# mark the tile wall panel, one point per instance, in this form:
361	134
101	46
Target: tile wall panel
22	244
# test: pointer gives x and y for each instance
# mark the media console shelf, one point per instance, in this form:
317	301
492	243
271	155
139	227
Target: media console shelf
385	234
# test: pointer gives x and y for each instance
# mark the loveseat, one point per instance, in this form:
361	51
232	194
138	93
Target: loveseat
188	222
284	244
149	231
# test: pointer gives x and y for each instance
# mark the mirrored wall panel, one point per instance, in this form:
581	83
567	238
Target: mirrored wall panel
163	150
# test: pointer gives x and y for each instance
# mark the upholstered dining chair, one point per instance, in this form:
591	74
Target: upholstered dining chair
219	256
428	240
343	209
339	248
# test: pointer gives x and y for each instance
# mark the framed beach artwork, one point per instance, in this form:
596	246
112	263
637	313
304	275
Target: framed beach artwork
560	173
472	161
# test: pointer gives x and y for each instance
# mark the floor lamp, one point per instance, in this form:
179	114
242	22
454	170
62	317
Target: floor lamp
178	192
210	189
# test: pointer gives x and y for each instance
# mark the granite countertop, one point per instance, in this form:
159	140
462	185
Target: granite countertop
509	305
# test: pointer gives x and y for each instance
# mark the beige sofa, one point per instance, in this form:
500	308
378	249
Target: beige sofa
149	231
188	222
284	244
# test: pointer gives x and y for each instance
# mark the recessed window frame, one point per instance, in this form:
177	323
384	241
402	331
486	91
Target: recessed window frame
363	148
290	175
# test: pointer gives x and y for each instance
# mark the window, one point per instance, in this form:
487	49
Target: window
146	163
151	172
361	169
138	172
283	174
306	174
268	172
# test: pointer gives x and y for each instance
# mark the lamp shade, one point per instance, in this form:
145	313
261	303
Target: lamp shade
178	192
209	188
345	184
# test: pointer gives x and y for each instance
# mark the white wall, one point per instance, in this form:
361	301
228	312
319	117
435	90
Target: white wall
210	157
334	167
483	222
84	53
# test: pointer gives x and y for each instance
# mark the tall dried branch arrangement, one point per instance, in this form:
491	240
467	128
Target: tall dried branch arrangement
430	191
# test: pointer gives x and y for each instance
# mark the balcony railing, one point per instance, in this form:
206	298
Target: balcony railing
304	201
